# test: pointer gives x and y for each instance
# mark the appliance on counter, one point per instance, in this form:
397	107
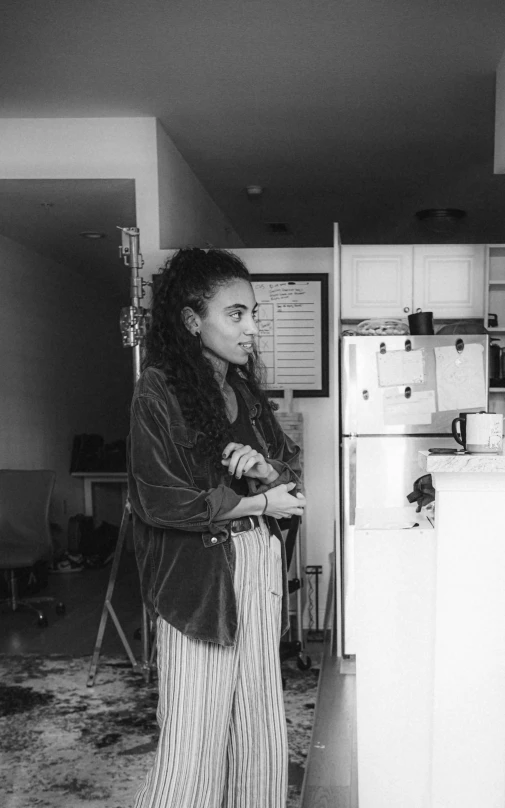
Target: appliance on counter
385	425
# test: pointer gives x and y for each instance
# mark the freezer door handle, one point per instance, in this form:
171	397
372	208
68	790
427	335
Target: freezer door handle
351	391
349	481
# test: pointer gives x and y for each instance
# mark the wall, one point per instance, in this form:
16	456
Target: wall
187	214
56	332
89	148
170	203
317	415
499	143
127	148
53	326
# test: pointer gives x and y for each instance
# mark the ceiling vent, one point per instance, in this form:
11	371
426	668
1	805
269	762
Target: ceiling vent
278	228
441	214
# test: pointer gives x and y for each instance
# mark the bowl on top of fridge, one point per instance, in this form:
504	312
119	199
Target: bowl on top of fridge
381	327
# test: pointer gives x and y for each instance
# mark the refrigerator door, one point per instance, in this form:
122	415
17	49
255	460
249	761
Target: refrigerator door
363	396
378	472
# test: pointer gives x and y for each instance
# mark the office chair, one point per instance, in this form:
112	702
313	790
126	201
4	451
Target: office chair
25	536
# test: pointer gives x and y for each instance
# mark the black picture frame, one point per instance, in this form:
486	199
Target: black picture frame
322	279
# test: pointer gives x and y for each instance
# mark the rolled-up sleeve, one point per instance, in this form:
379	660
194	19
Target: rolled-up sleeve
162	489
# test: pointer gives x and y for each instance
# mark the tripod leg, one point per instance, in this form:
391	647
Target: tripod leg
146	641
107	607
154	648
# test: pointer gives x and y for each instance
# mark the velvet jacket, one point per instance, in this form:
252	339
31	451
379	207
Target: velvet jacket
182	543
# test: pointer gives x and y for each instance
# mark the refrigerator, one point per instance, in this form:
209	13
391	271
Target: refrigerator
395	394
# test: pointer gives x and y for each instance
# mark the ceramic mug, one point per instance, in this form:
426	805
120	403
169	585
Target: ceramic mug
459	428
484	432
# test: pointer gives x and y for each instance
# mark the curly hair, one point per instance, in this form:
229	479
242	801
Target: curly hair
191	278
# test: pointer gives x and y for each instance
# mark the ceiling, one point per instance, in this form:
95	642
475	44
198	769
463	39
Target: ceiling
356	111
49	217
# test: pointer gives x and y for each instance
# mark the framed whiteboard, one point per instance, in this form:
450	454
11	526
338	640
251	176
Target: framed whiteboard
293	340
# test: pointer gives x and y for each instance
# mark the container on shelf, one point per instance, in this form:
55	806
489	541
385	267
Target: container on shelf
496	286
494	359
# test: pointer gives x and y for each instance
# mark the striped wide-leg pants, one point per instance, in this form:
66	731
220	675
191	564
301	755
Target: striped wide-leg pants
223	739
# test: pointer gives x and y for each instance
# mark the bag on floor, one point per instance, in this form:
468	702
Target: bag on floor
99	550
79	533
101	542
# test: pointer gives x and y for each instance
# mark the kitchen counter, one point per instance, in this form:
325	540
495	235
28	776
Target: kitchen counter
465	463
430	643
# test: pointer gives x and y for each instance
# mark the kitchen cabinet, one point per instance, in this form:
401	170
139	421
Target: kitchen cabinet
423	597
376	281
449	279
397	280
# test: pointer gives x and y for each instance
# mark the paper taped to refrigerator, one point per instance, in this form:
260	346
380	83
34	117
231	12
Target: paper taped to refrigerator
417	409
461	382
400	367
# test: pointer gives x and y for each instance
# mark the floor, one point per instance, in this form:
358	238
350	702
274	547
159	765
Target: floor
331	772
331	775
74	633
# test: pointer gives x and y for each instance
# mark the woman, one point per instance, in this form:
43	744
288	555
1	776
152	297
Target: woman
210	471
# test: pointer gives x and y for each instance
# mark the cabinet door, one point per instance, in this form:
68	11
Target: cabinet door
449	279
376	281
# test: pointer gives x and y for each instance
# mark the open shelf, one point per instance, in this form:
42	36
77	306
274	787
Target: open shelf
495	273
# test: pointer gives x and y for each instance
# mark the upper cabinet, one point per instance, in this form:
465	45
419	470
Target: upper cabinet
376	281
449	279
397	280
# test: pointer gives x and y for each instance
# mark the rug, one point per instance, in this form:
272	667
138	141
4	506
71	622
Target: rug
64	745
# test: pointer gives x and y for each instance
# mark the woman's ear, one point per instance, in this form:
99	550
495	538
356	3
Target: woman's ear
191	320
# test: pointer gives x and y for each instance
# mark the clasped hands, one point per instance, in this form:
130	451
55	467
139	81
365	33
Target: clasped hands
243	461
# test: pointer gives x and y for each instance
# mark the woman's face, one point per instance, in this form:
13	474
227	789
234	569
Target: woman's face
229	328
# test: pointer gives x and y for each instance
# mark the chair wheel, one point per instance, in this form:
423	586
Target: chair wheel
303	666
60	608
42	621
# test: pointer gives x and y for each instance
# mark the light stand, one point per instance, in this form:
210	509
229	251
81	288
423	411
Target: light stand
133	327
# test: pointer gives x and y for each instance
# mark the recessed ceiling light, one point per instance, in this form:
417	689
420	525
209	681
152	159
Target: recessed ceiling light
254	191
92	234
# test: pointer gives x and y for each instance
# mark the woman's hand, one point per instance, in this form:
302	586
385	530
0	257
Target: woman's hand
242	461
282	504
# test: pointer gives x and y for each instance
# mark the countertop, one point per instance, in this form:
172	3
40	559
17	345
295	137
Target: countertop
391	519
469	463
